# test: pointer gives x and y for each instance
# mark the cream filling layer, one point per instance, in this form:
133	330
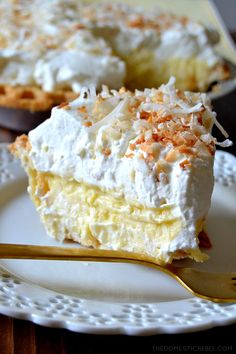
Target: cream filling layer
72	210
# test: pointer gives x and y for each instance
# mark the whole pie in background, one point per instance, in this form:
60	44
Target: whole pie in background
49	50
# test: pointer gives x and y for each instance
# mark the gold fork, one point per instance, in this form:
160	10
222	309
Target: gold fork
218	287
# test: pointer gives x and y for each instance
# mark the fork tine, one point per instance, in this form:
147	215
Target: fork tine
218	287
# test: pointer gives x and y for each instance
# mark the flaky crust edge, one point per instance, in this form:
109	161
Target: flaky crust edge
32	98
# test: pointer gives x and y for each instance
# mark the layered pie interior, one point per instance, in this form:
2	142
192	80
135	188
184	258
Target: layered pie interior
49	50
125	170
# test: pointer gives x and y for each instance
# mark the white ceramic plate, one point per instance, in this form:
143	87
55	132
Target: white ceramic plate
105	297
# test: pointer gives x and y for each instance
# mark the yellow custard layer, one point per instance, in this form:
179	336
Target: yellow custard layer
86	214
146	70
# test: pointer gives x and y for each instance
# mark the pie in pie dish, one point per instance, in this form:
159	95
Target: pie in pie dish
125	170
74	44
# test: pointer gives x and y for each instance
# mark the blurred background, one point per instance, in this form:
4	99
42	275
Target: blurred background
225	106
227	9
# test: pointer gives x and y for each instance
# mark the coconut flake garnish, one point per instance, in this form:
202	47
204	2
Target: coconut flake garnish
86	93
116	113
206	138
163	116
139	124
219	126
185	110
225	143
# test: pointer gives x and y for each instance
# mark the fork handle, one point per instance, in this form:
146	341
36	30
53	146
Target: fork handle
16	251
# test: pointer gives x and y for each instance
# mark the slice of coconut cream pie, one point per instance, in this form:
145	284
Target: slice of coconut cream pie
125	171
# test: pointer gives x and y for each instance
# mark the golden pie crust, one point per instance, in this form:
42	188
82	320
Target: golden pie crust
32	98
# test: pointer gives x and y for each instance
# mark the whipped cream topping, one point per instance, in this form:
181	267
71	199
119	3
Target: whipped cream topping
126	29
65	45
152	147
82	60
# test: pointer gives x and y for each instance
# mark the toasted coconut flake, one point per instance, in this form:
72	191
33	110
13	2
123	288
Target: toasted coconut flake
149	121
129	155
161	171
159	97
146	148
82	109
132	147
185	150
88	124
144	115
122	90
106	151
140	140
111	117
185	165
172	155
161	166
63	105
150	158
